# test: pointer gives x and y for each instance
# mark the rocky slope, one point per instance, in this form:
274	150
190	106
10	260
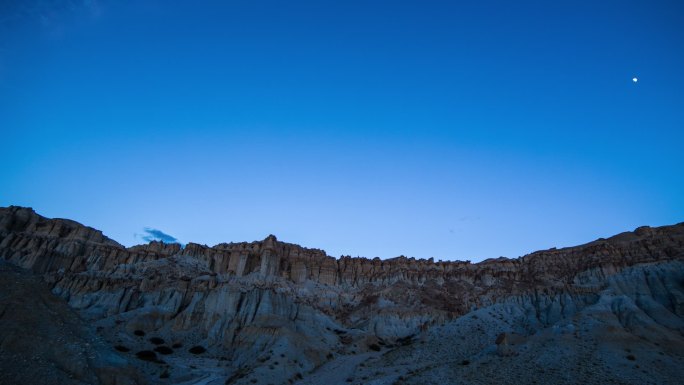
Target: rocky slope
273	312
43	341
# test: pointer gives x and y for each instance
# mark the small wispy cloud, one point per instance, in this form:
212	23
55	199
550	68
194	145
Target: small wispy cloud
151	234
52	16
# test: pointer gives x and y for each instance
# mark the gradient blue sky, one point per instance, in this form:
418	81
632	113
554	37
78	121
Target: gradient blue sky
453	130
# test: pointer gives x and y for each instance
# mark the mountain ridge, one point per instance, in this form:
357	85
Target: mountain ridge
246	304
176	247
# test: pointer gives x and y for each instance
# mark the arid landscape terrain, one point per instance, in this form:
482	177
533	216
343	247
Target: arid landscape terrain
341	192
78	308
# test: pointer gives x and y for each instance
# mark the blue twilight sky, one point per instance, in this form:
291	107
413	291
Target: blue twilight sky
453	130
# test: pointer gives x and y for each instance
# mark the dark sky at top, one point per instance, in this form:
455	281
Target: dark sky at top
454	130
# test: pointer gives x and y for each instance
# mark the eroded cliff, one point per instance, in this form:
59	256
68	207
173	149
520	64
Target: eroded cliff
270	311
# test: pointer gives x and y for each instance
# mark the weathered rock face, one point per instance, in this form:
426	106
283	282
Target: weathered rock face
254	304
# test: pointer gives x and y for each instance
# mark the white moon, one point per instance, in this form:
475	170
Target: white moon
634	79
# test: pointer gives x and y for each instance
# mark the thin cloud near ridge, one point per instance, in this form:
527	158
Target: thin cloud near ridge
151	234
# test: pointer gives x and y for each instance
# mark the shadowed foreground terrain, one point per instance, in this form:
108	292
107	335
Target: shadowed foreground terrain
43	341
78	308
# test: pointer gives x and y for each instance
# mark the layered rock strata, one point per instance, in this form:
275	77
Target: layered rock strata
270	310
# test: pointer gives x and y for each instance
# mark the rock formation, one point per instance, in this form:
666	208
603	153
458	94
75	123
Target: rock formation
274	312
